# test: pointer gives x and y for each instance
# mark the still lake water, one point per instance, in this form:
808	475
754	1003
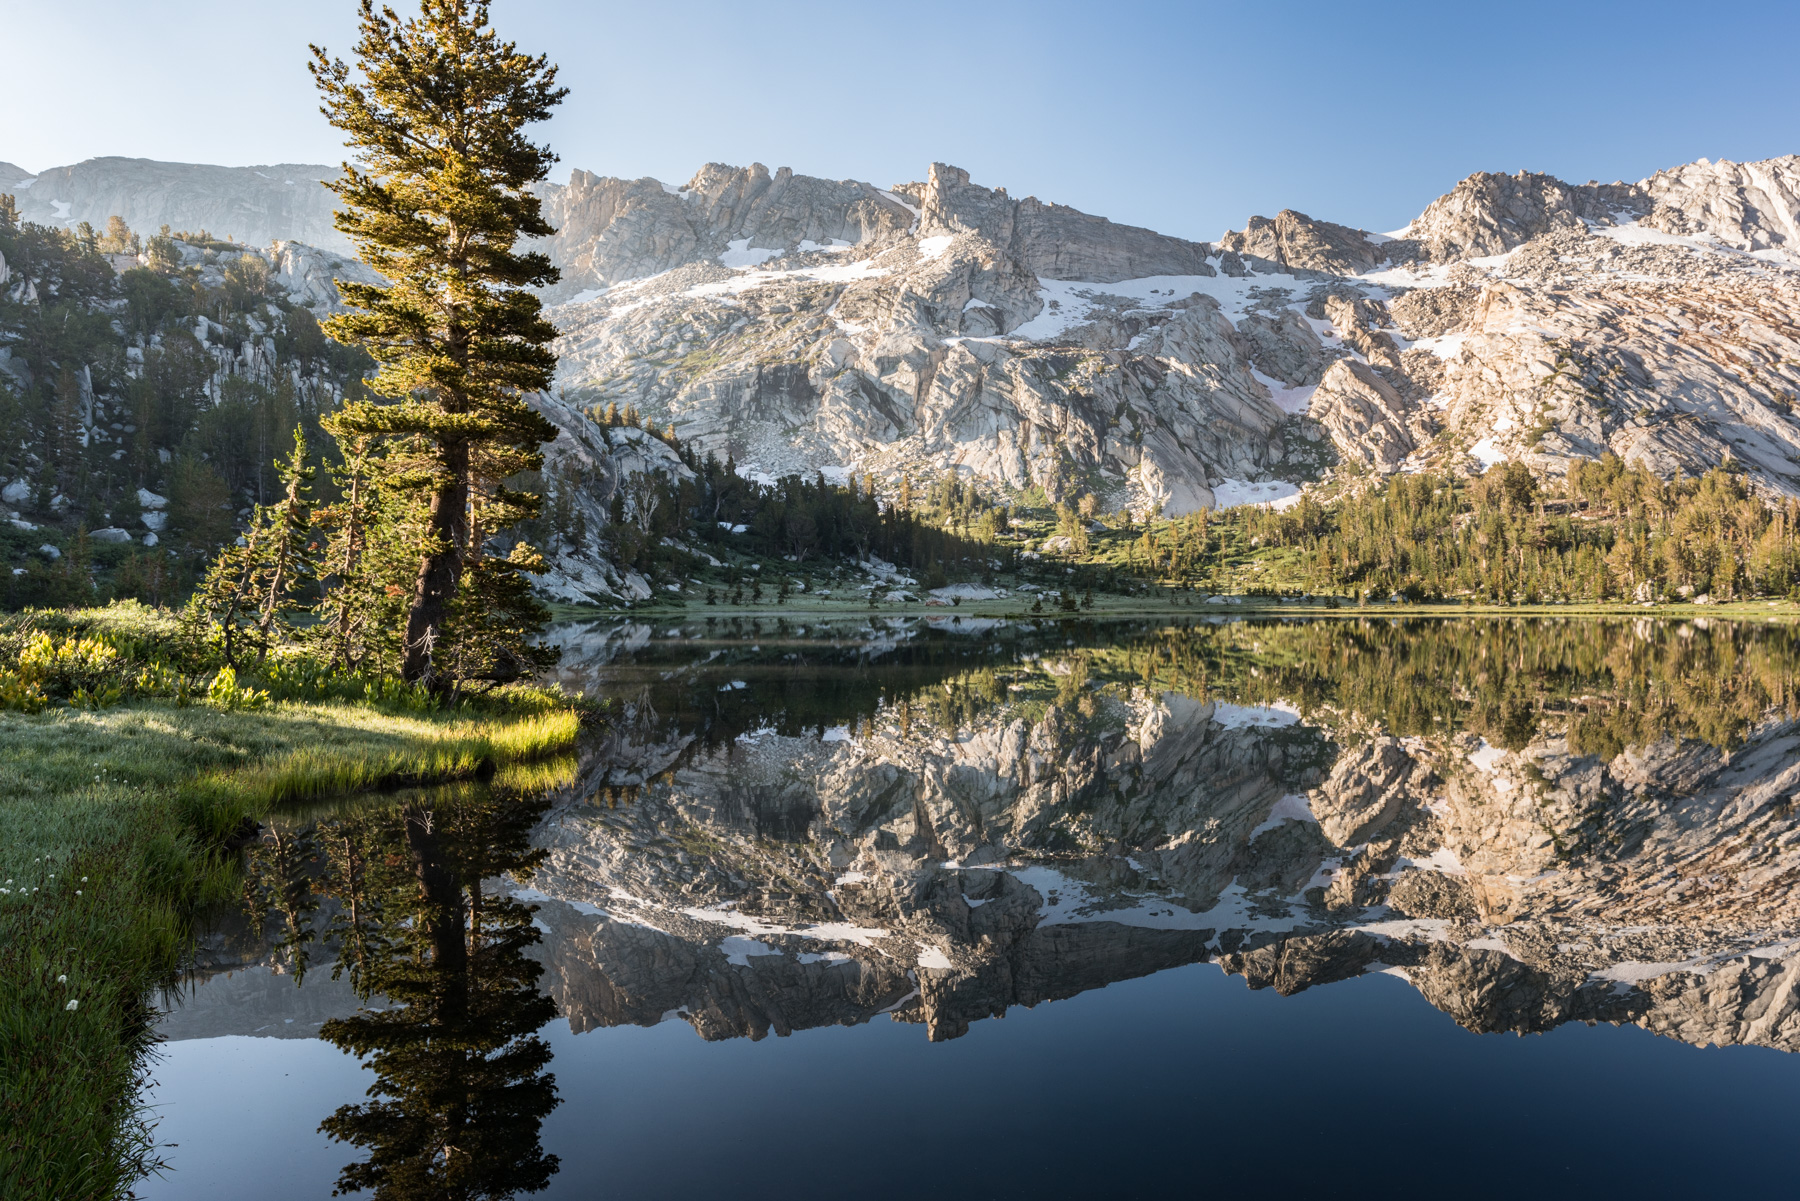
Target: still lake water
1364	907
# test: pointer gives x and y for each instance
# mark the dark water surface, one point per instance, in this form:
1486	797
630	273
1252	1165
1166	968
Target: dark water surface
1361	908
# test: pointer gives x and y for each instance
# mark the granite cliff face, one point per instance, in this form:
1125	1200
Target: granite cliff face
800	323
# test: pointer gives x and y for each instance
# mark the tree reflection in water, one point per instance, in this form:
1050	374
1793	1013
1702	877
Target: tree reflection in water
461	1089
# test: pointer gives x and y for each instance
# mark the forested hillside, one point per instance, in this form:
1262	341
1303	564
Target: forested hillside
143	407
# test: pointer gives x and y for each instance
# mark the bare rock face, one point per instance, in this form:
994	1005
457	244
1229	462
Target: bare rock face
309	275
1357	321
1296	240
1547	374
1369	785
1368	421
1433	312
614	229
1284	346
1750	206
254	205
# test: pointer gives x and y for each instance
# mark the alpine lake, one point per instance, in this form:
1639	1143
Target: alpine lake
1349	906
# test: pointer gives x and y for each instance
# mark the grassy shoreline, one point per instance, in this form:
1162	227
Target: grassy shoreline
114	825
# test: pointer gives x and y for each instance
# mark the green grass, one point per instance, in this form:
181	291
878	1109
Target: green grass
112	828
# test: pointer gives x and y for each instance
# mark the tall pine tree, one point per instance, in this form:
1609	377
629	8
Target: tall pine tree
437	202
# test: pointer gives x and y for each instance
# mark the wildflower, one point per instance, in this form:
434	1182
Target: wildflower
83	880
73	1005
77	892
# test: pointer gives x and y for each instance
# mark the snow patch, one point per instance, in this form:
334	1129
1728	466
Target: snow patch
935	959
739	254
908	205
1488	757
746	281
1288	400
1276	494
1291	808
1487	453
823	931
738	949
1271	717
1075	300
932	247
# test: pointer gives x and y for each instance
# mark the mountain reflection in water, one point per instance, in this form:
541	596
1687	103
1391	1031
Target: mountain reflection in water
1533	822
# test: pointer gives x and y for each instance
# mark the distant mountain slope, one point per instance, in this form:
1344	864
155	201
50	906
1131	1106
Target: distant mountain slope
255	205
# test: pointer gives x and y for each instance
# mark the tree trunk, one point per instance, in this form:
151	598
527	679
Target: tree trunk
445	917
440	570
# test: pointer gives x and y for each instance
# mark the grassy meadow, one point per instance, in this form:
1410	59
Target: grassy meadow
119	824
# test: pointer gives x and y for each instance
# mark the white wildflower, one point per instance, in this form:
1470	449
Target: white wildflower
72	1005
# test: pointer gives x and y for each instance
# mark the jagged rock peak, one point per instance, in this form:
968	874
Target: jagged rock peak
1296	240
1053	240
1490	213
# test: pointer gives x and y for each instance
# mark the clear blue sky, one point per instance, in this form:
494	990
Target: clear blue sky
1183	117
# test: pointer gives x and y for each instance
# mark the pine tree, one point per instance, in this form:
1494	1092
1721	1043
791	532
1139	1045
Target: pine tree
364	558
290	561
252	585
437	203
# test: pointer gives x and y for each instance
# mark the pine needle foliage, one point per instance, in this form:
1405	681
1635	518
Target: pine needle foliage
437	202
250	588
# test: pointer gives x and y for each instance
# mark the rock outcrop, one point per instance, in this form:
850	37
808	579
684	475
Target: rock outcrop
1749	206
1296	240
1366	418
